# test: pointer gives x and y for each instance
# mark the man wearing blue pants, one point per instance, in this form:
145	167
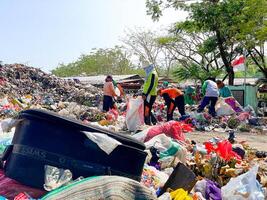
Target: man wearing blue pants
211	93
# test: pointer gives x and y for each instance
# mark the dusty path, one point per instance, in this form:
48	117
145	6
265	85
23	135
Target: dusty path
258	141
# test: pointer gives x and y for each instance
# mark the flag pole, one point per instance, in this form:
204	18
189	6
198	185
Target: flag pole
245	78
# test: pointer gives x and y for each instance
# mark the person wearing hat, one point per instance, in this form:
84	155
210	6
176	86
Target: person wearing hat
173	98
149	91
109	94
165	84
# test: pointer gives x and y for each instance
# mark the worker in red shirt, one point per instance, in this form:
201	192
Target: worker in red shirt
173	98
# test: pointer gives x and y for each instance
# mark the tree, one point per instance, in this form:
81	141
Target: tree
143	45
196	55
251	31
98	61
227	20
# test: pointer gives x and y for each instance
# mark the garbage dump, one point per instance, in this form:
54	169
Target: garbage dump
56	143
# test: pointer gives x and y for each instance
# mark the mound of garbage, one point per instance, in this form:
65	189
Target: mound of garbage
18	80
168	163
24	87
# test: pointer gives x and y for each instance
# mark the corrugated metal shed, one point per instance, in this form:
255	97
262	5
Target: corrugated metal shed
100	79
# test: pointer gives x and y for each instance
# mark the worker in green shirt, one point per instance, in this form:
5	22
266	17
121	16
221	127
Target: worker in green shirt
149	91
189	95
223	90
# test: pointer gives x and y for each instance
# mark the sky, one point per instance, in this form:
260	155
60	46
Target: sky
44	33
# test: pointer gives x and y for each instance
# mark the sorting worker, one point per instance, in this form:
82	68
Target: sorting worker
189	96
149	92
224	91
119	87
211	93
109	94
173	98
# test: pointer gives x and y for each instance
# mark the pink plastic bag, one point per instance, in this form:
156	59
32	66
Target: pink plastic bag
172	129
243	116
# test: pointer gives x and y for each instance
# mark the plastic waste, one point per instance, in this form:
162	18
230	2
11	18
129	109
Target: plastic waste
171	150
117	92
55	177
201	187
198	196
243	187
153	178
223	149
231	101
135	113
212	191
23	196
222	108
141	136
103	141
165	196
172	129
160	142
180	194
250	110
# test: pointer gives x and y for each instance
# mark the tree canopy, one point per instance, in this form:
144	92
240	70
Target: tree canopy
233	25
98	61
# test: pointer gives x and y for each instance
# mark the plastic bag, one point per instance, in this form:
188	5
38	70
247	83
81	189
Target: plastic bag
243	187
223	149
223	108
250	110
117	92
231	101
165	196
55	177
180	194
135	113
104	142
172	129
141	136
160	142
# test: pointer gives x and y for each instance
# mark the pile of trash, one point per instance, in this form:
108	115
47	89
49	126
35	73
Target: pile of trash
18	81
174	168
24	87
221	169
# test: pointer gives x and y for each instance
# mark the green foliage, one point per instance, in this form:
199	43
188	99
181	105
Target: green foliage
208	46
232	22
194	72
99	61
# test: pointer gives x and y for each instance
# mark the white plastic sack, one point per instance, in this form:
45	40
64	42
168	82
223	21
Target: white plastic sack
223	108
244	187
165	196
135	113
141	136
117	92
106	143
160	142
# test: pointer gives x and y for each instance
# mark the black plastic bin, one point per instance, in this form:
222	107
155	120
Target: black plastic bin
45	138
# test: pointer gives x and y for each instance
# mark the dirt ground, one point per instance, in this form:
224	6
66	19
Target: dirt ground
255	140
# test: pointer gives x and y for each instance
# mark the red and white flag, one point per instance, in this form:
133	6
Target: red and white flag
238	64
